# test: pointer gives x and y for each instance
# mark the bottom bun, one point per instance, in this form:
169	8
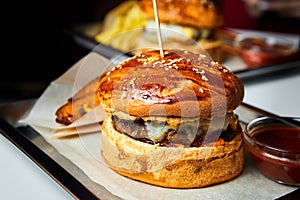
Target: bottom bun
173	167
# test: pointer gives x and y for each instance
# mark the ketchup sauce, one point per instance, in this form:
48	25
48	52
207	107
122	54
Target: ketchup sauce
282	138
256	52
277	153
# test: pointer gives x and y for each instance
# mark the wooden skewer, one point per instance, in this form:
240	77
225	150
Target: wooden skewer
159	37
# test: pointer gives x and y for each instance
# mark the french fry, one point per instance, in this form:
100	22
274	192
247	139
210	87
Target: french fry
121	20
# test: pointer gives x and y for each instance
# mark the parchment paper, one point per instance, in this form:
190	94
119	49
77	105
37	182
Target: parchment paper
64	87
84	149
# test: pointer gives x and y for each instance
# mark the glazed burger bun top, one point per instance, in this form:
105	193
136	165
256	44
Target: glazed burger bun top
179	84
197	13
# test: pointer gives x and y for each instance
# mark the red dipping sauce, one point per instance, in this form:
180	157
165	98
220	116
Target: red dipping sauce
257	52
281	138
275	149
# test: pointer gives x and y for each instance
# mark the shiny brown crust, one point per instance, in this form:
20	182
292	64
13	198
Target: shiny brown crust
168	166
181	83
197	13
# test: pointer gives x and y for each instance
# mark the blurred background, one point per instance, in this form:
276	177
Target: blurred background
38	49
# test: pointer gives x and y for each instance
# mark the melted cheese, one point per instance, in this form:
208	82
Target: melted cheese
170	31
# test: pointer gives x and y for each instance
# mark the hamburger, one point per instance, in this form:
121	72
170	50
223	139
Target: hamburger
170	120
185	24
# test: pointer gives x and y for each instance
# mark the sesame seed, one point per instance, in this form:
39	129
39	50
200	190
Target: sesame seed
201	90
132	81
204	78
